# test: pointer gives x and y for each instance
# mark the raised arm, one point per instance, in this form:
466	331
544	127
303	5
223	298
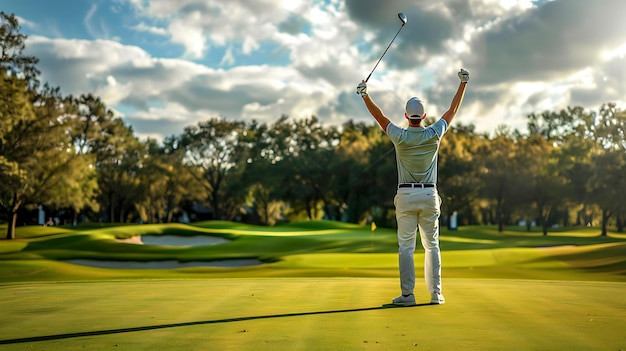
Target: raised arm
458	97
376	112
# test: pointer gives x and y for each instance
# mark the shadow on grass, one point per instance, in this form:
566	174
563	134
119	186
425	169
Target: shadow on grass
187	324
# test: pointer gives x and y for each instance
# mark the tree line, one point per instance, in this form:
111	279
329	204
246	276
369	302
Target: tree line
72	155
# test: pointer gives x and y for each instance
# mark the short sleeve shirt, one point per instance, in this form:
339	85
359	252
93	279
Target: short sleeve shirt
416	151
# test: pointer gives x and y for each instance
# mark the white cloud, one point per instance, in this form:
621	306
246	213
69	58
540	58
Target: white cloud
191	37
523	57
198	25
618	52
228	58
95	26
26	23
113	92
142	27
89	18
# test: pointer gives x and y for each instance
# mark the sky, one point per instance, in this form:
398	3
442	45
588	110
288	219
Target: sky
162	65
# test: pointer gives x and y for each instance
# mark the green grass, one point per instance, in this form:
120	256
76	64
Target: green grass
310	314
322	287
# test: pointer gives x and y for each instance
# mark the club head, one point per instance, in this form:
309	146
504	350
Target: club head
403	18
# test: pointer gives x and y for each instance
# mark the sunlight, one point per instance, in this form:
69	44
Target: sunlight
618	52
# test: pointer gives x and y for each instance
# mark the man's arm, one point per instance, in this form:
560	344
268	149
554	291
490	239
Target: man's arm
376	112
458	97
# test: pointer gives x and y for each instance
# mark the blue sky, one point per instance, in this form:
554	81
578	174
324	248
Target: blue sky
162	65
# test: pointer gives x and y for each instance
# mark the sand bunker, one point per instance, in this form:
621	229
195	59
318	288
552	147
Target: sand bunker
166	264
169	240
174	240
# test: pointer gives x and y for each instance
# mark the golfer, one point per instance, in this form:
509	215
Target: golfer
417	200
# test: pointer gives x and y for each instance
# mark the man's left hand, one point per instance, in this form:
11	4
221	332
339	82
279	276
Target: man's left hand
463	75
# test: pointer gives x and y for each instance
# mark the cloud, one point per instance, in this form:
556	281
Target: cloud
26	23
550	40
95	26
81	66
293	25
128	76
89	18
199	25
142	27
523	56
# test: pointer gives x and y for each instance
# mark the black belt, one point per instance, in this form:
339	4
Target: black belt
416	185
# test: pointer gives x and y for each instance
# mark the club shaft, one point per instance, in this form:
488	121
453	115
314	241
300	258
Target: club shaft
381	57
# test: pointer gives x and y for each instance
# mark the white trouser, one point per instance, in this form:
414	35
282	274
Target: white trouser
418	208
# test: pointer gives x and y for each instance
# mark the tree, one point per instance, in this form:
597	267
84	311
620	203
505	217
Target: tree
212	149
606	184
553	126
547	184
261	172
498	175
366	167
305	160
12	60
40	163
178	185
119	158
458	179
16	112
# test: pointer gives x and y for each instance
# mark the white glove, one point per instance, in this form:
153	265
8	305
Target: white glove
463	75
361	89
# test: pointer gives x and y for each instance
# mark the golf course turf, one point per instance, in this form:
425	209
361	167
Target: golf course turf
321	286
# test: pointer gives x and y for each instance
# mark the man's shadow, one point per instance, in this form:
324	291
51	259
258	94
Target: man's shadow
186	324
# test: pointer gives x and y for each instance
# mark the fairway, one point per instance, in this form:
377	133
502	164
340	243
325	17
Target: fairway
318	286
311	314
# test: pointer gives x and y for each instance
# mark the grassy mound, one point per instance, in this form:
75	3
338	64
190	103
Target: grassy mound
312	249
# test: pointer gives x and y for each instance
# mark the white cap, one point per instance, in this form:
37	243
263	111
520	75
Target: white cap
415	108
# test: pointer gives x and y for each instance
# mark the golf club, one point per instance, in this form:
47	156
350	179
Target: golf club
403	19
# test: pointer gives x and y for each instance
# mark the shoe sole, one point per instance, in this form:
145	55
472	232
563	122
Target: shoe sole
404	304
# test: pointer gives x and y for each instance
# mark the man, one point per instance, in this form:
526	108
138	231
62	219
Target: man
417	200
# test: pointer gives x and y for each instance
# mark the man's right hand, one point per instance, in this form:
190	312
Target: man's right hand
361	89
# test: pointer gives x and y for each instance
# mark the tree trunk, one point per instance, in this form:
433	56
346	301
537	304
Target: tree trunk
307	209
620	224
112	211
545	220
13	218
11	226
266	213
500	216
605	219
